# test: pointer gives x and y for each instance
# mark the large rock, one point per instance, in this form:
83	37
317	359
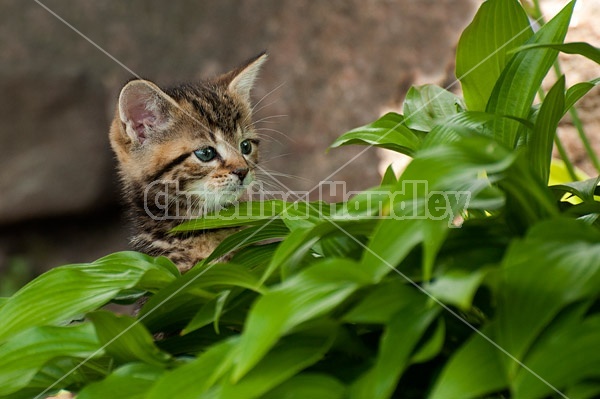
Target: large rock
54	156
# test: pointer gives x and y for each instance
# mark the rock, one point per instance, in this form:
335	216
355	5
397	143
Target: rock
53	153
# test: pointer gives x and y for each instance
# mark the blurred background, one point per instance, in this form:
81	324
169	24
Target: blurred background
333	65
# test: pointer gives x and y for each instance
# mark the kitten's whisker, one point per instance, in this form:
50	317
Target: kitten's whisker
264	161
265	137
252	111
266	129
266	118
286	175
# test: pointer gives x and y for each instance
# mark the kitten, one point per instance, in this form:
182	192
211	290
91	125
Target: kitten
184	151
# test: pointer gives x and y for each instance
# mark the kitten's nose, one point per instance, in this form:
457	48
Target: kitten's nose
240	172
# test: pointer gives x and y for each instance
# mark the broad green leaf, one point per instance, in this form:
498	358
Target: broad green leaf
204	371
556	264
399	339
432	346
250	235
452	171
63	372
308	385
577	91
180	301
293	249
255	256
387	132
301	214
581	48
208	313
466	124
382	302
541	140
584	390
126	339
292	355
583	189
67	291
473	371
573	347
131	381
457	287
517	86
389	178
429	105
243	213
482	52
311	293
26	353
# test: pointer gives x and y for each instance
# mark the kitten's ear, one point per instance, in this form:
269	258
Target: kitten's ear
242	79
143	108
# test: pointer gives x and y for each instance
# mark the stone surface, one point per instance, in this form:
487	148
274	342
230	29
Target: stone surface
54	156
334	65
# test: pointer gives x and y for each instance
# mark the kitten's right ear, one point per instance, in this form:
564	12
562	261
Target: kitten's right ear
144	109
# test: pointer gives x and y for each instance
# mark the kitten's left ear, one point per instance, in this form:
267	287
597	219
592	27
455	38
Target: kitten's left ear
242	79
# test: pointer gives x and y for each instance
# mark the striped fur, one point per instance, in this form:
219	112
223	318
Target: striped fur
154	135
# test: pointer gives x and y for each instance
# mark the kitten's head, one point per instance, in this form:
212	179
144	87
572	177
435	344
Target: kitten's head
197	135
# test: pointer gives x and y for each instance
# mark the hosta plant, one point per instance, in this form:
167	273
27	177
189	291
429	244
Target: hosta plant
467	276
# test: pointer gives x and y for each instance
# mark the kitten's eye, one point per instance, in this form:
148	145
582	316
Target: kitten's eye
246	147
206	154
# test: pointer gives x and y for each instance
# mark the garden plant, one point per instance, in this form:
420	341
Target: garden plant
466	276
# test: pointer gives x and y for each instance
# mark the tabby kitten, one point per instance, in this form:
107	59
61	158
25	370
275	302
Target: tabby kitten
184	151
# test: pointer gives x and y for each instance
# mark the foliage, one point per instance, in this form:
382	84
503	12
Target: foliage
465	277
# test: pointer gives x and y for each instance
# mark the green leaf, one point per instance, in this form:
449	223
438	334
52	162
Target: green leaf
211	371
583	189
243	213
400	337
584	390
292	355
208	313
432	346
250	235
573	346
308	385
131	381
467	124
293	250
255	257
26	353
556	264
429	105
473	371
387	132
382	302
389	178
180	301
457	287
541	141
204	371
482	52
517	86
311	293
454	169
581	48
577	91
127	340
68	291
